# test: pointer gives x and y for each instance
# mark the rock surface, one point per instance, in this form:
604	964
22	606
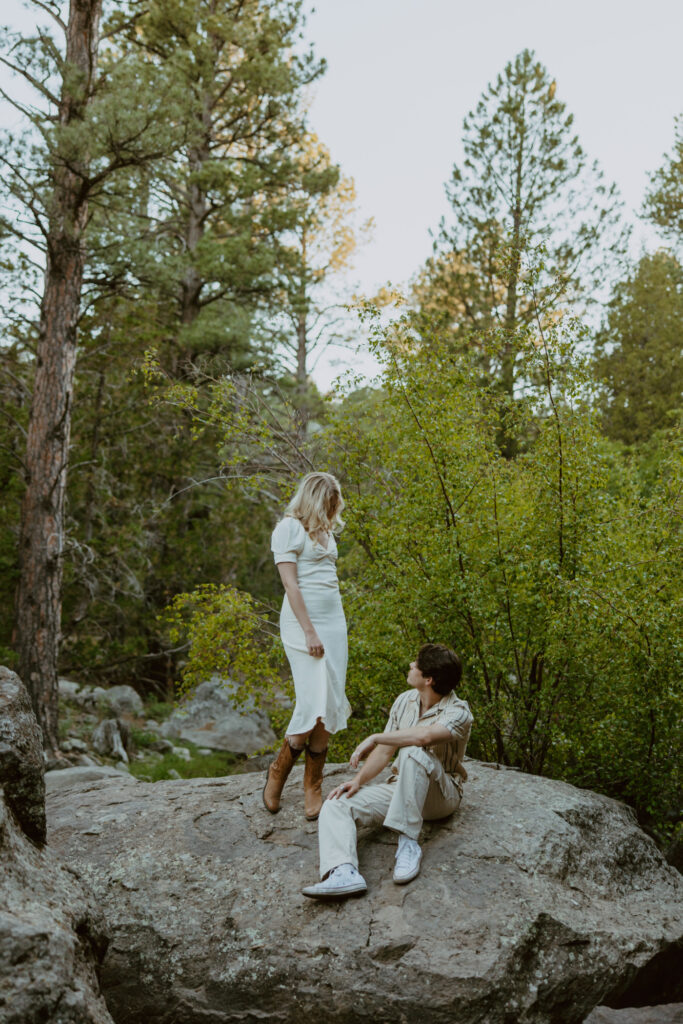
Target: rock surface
121	699
668	1014
111	737
211	718
77	777
22	768
52	939
535	903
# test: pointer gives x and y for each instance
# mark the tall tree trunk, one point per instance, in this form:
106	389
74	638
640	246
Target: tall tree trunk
193	282
301	351
509	444
47	446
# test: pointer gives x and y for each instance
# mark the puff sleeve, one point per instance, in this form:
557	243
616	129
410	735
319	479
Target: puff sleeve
287	541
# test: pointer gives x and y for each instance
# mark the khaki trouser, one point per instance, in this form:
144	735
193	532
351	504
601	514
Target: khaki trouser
422	791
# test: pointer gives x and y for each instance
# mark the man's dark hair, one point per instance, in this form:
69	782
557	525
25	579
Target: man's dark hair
442	665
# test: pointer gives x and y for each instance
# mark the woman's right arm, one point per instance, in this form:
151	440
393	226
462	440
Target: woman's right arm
290	581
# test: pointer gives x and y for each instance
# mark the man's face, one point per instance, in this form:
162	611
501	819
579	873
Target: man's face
415	677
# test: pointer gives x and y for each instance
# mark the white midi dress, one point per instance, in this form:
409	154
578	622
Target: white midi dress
318	682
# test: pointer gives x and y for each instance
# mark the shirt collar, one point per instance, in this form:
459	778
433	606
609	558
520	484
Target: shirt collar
450	698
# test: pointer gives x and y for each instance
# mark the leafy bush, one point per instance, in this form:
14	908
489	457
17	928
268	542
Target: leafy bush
557	574
554	574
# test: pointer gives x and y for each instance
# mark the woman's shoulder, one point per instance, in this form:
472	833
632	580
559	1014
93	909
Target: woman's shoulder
288	532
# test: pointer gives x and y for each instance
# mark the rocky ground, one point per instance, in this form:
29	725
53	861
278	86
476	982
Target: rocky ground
179	902
52	934
205	736
536	902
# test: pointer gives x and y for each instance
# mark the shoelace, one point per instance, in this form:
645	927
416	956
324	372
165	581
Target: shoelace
343	874
406	858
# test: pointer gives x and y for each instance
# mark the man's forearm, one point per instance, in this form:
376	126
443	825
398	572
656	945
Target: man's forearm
419	737
374	764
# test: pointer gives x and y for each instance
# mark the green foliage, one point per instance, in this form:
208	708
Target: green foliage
556	574
639	352
553	574
524	184
205	221
229	634
156	768
158	710
215	218
664	203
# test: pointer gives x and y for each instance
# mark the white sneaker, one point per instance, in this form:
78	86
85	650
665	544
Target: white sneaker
408	858
341	882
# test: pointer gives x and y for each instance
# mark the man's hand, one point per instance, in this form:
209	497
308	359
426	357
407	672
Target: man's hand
348	788
362	751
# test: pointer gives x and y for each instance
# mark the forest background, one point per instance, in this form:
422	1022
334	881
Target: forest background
176	251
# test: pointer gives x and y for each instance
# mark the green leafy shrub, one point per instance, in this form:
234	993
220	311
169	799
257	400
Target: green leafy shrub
558	579
557	574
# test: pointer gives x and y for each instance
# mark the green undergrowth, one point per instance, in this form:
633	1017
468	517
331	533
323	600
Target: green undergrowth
156	766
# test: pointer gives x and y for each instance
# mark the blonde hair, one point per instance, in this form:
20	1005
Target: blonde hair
314	503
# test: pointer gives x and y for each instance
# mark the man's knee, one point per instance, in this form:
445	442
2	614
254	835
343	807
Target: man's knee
418	757
333	808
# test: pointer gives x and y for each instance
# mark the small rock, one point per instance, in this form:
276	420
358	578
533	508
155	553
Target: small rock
173	774
182	752
151	725
122	766
90	696
67	689
66	746
123	699
204	751
83	761
79	746
162	746
111	737
257	764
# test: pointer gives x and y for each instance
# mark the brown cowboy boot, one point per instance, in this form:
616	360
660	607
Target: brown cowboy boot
313	781
277	773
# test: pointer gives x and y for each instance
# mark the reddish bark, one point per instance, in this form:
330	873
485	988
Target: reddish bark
42	525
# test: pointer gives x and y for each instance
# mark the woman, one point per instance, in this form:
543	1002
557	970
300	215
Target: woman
313	631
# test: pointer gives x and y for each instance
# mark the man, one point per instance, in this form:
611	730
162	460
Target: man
429	726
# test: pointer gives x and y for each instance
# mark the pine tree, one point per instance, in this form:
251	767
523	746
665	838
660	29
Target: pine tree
214	211
81	131
525	182
639	353
314	255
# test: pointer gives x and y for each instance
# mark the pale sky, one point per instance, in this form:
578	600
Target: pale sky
402	74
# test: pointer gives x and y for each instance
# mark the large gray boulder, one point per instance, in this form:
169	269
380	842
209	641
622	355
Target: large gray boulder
536	902
22	766
52	939
211	717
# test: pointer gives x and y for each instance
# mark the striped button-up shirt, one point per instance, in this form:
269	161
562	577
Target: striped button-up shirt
451	712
